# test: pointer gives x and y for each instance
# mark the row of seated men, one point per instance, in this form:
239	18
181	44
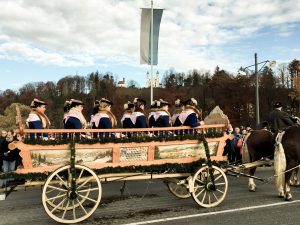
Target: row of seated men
185	114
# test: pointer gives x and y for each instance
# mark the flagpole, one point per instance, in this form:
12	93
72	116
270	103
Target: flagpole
151	73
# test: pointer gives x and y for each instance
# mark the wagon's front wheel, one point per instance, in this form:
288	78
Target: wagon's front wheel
209	187
71	203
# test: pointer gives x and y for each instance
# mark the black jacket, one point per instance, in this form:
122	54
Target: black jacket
279	120
12	154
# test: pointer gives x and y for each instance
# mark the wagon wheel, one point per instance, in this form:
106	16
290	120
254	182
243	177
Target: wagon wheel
207	193
178	188
67	206
55	196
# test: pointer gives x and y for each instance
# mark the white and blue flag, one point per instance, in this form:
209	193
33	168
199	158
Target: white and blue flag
145	39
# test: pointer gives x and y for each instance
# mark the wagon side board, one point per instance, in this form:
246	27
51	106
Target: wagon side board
47	158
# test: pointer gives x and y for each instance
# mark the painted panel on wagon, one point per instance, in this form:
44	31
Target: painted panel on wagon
185	151
62	156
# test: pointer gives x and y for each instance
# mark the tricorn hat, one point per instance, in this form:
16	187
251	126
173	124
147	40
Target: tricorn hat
277	104
75	102
106	101
191	101
128	105
163	103
36	103
155	104
139	101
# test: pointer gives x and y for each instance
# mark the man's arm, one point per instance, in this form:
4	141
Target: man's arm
287	119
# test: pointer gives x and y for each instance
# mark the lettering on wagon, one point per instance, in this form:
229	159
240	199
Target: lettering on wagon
133	154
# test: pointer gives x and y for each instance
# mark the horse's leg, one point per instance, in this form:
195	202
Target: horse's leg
251	184
287	188
294	178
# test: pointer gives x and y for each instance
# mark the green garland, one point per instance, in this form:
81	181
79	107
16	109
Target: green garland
168	167
134	139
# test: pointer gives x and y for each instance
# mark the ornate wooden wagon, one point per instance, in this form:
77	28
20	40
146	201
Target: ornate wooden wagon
74	164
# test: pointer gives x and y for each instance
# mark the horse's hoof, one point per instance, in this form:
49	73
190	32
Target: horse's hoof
288	197
295	184
252	188
280	195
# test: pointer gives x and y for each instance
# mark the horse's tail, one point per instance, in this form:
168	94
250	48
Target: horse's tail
246	155
279	163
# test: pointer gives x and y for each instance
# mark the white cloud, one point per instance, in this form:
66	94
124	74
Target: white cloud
193	33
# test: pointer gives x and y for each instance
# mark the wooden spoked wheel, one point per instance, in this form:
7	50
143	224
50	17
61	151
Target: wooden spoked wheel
178	187
53	200
65	204
209	191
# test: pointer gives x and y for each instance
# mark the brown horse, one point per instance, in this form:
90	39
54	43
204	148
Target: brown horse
262	143
258	144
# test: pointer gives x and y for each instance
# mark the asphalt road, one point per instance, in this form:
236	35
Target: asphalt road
150	202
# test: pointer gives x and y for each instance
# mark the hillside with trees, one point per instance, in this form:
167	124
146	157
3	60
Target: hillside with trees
235	94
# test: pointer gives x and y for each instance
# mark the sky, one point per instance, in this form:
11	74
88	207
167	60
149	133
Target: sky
47	40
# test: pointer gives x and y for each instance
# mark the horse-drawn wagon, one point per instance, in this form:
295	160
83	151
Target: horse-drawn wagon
71	164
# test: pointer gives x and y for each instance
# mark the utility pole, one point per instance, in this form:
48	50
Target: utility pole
257	93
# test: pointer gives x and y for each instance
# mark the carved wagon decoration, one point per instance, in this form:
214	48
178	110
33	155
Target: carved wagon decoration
74	166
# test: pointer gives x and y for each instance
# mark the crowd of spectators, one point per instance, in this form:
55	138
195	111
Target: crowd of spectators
9	159
234	144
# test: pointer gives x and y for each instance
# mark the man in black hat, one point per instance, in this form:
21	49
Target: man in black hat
278	119
153	113
138	116
126	119
190	115
179	107
104	119
163	115
74	118
37	118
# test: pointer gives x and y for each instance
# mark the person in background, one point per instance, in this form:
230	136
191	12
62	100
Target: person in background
248	128
244	131
37	118
9	156
179	107
236	156
265	125
2	138
138	116
227	148
17	137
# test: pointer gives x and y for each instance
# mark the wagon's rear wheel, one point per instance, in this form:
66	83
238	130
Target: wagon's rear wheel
67	205
209	191
178	187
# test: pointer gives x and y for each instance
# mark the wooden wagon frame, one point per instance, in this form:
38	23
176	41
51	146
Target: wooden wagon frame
75	167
